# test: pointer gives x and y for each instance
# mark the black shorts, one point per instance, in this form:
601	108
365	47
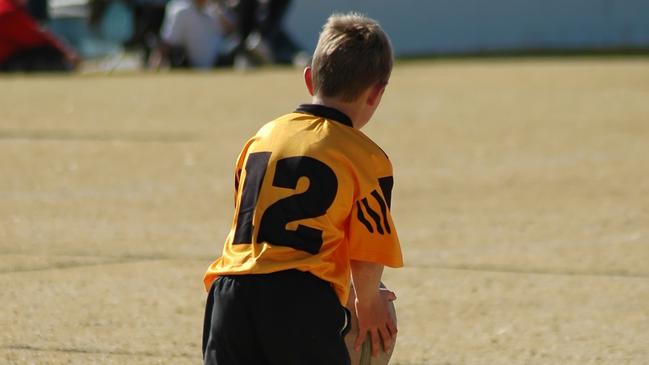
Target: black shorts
284	318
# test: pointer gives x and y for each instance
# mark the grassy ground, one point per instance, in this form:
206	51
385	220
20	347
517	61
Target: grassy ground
521	199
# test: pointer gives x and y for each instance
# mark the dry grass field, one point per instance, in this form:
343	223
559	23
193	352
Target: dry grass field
521	198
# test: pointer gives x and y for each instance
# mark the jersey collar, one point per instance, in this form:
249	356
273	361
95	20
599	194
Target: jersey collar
326	112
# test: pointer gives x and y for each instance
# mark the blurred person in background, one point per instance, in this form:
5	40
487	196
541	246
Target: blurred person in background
149	15
193	35
96	29
26	47
261	36
38	10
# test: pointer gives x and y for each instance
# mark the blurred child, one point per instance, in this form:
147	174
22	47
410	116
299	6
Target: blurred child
192	35
25	46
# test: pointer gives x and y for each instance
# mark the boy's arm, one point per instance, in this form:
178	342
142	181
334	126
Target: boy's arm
372	306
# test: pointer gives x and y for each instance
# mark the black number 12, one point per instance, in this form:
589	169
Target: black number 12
311	203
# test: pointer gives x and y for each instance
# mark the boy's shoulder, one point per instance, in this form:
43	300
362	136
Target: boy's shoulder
328	126
324	134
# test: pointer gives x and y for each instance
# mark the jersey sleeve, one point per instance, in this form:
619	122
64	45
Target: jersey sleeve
372	234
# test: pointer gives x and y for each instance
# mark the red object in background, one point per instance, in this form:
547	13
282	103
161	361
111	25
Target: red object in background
19	32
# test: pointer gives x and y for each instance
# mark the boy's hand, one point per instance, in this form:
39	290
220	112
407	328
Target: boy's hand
375	319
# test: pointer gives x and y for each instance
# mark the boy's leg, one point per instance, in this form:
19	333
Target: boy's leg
300	320
228	335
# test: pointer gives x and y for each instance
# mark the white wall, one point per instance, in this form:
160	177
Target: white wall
457	26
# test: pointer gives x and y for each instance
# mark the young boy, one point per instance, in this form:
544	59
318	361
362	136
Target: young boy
312	212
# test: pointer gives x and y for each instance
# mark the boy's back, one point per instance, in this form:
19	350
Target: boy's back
312	214
314	189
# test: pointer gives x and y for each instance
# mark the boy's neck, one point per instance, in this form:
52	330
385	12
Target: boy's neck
352	109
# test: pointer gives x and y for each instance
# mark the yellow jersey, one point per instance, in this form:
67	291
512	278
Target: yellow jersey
311	193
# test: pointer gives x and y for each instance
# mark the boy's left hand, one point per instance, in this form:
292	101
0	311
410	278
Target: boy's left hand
374	318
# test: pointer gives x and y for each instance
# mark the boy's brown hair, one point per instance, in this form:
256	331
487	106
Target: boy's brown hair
353	54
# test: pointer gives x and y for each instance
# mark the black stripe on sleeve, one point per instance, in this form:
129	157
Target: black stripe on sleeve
384	210
361	218
374	215
386	184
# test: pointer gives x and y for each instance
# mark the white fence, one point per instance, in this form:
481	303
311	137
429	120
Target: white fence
468	26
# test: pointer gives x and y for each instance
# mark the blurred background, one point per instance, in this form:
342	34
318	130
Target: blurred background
474	26
521	181
136	34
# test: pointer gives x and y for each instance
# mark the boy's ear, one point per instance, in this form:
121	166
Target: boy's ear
308	80
375	94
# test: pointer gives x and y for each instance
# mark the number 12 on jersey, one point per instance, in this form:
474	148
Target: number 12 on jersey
312	203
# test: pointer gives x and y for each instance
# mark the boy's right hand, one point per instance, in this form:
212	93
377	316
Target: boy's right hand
375	319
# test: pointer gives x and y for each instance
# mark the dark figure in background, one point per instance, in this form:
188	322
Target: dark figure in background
38	10
25	47
149	15
262	38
